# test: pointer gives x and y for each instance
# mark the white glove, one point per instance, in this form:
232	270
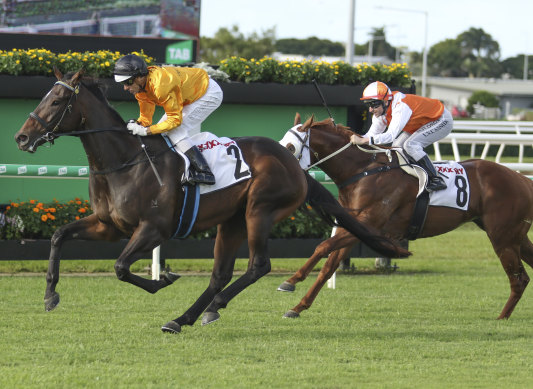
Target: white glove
358	140
137	129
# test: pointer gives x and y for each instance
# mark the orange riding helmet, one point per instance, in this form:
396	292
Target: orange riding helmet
377	91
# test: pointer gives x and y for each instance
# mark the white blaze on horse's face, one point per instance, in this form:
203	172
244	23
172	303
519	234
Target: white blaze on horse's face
292	142
295	142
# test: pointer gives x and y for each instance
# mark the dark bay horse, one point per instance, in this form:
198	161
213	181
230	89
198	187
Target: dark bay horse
501	203
128	202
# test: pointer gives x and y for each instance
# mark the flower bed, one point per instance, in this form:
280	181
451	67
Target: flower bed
304	72
40	62
36	220
264	70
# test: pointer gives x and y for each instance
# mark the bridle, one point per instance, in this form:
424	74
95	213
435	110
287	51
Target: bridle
305	144
50	135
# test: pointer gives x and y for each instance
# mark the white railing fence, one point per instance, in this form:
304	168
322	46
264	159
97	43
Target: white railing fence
135	25
487	134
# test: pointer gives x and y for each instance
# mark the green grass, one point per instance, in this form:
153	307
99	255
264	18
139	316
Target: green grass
428	325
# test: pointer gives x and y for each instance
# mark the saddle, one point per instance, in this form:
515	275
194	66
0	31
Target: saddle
456	195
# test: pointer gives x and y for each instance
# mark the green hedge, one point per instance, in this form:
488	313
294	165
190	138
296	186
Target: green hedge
36	220
101	64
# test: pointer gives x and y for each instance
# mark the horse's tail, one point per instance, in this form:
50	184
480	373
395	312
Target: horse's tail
328	208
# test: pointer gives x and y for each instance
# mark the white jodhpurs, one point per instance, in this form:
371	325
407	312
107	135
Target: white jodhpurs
193	115
414	143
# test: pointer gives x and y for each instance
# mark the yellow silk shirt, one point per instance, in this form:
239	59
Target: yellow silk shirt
171	88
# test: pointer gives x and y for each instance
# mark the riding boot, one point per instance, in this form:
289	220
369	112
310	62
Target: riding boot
199	172
435	182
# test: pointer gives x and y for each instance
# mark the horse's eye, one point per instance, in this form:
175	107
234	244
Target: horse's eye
291	148
55	102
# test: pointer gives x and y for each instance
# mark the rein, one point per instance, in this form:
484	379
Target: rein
330	156
305	144
50	136
372	150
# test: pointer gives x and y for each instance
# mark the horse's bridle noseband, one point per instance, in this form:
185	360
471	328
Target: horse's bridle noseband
50	135
304	143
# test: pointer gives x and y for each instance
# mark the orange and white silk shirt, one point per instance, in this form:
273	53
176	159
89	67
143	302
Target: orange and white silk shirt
405	113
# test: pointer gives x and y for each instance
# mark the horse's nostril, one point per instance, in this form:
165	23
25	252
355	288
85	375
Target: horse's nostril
22	139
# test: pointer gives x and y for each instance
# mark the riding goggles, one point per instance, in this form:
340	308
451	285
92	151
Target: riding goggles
128	82
373	103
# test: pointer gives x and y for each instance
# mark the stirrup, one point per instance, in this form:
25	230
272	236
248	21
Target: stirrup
435	184
200	178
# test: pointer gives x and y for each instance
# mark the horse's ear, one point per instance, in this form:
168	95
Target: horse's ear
58	74
77	77
297	119
309	122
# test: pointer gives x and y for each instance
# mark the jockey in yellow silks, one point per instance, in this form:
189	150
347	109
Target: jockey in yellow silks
187	95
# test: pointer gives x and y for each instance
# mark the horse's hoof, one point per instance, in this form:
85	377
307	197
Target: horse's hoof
171	327
51	302
291	314
170	277
286	287
210	317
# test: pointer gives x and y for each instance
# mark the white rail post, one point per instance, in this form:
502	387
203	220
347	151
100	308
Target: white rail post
332	280
156	263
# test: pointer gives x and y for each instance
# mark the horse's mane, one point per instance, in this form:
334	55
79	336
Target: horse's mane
339	129
98	88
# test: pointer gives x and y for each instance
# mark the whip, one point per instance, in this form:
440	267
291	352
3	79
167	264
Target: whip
323	100
151	163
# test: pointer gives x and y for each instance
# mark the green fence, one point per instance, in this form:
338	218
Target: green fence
229	120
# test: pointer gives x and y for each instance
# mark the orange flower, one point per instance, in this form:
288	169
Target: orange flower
32	201
82	210
78	202
50	216
44	218
77	218
36	210
8	208
40	205
51	210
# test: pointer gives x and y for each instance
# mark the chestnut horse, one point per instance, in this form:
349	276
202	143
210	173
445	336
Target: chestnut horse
501	203
128	202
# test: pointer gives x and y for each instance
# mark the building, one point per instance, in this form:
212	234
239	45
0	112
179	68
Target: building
514	94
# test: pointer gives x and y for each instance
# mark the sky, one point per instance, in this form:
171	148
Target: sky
508	22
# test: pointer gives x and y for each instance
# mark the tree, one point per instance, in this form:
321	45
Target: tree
380	46
444	59
310	46
480	53
484	98
514	66
227	43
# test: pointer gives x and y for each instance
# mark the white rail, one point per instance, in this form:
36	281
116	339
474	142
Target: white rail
487	134
142	25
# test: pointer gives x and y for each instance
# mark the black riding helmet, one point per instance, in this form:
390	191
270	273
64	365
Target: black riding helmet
130	65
